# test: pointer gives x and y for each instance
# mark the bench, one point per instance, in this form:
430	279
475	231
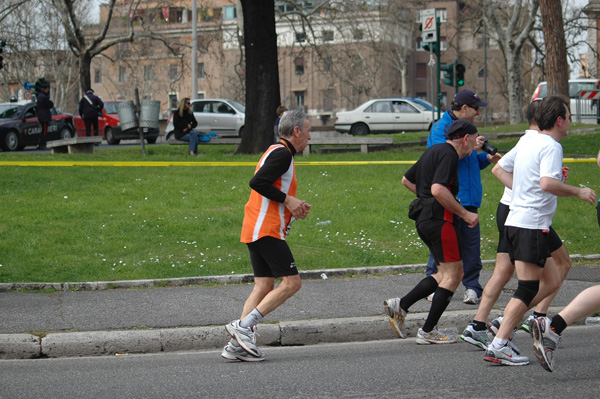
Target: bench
74	145
213	140
364	142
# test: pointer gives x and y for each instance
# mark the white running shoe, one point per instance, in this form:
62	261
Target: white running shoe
471	297
434	337
545	342
245	336
494	326
480	339
505	355
231	352
395	314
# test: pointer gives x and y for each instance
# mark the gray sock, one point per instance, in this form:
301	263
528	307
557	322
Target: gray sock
252	319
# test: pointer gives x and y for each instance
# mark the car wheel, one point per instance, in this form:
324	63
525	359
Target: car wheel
151	140
65	133
359	129
11	141
241	132
110	137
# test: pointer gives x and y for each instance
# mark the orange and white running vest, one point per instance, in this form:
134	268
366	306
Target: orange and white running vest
263	217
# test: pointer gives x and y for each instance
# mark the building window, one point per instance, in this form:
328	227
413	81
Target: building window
229	12
357	34
173	101
173	71
201	72
97	76
148	73
442	14
421	70
327	35
420	44
299	62
300	37
299	97
122	74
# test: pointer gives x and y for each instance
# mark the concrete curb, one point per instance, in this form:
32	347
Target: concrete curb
284	333
226	279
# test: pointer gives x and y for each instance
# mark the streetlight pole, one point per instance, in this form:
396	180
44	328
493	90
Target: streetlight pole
194	50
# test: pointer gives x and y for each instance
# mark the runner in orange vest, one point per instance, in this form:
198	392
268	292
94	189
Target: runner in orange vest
267	220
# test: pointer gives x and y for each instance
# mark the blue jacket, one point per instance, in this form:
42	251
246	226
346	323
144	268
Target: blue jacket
470	190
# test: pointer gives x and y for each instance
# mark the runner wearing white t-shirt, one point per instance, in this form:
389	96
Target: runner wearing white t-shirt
534	172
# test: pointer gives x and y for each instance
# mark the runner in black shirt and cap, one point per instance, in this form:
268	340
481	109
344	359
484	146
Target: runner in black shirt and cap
434	180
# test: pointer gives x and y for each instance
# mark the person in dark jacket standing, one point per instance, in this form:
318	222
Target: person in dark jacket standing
44	105
184	123
90	108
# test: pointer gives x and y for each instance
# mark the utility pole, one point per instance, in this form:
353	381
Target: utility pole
194	50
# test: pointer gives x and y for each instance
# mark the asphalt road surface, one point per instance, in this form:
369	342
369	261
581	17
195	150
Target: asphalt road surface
377	369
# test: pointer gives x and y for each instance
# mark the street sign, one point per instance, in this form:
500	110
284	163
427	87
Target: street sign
428	19
429	37
27	95
27	85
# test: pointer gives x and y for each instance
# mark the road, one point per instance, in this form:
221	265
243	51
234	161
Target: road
391	368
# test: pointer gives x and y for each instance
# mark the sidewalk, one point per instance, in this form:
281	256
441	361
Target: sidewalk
179	317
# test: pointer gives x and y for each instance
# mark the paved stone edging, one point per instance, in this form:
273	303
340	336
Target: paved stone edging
283	333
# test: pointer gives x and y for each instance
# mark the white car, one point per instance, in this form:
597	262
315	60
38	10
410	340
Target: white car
384	115
224	117
584	110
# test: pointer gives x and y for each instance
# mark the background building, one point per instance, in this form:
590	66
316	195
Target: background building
332	57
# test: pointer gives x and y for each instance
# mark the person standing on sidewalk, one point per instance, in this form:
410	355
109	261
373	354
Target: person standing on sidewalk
90	108
465	105
535	175
434	179
43	107
476	332
267	220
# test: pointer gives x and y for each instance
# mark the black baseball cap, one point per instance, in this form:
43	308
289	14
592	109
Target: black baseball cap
468	97
460	128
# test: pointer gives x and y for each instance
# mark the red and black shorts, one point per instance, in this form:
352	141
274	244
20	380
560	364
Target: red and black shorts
271	257
442	239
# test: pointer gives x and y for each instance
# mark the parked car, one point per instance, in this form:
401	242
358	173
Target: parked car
425	103
586	113
19	126
109	128
224	117
384	115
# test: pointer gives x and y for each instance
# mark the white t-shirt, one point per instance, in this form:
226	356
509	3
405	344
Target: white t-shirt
535	156
507	194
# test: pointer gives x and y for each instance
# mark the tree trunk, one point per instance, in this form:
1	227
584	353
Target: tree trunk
557	67
262	75
515	88
85	66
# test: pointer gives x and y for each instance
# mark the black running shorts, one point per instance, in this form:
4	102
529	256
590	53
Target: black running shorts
527	245
271	257
554	241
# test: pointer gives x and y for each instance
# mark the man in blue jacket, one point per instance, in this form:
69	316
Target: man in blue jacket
465	105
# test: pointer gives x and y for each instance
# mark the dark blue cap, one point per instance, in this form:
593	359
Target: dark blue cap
467	97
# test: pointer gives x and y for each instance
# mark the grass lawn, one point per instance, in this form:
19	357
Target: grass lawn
103	223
